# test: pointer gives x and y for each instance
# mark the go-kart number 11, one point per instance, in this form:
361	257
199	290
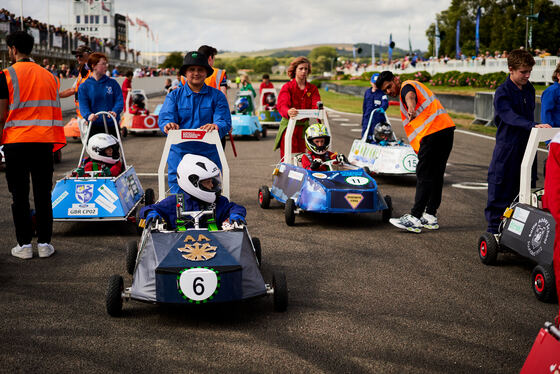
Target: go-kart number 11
198	284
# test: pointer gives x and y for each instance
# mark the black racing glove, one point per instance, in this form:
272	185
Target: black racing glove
315	163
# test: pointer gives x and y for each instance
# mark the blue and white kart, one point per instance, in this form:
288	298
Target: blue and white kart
392	158
247	124
267	117
197	262
343	189
96	197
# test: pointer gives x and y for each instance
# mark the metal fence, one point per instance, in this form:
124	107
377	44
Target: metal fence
484	108
542	71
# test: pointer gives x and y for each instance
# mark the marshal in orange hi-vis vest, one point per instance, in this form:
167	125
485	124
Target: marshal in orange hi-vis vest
34	106
79	81
216	78
430	117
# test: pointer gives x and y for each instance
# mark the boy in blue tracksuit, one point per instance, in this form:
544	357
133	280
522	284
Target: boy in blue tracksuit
514	106
373	99
100	93
198	180
550	101
193	105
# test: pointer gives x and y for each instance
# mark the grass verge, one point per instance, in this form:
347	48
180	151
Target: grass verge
353	104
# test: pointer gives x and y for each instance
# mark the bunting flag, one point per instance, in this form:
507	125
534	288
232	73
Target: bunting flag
437	42
390	49
130	21
409	42
104	7
141	23
477	34
457	47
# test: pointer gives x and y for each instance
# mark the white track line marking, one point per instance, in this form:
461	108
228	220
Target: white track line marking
356	130
341	119
348	124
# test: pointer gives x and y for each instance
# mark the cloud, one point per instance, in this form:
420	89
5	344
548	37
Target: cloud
248	25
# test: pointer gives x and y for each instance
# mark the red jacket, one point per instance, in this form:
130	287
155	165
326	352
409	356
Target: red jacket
116	169
551	200
291	96
308	158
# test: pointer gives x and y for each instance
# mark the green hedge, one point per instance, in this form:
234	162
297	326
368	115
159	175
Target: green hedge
456	78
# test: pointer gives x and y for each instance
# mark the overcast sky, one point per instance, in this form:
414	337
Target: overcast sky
248	25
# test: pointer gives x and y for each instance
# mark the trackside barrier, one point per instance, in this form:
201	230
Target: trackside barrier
484	108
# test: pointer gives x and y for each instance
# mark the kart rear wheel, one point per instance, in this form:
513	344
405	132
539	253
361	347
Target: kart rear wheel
124	132
280	287
264	132
264	197
290	212
257	135
542	279
387	213
131	254
149	197
113	297
258	250
488	249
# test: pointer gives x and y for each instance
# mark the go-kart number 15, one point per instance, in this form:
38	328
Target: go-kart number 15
198	284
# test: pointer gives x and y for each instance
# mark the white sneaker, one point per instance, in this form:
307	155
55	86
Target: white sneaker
407	222
45	249
429	221
25	252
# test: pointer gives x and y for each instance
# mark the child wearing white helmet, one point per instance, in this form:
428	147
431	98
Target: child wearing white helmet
104	152
318	142
199	180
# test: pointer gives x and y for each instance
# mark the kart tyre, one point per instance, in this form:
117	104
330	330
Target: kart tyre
113	297
387	213
264	132
280	287
264	197
131	254
290	212
149	197
488	249
57	157
136	221
542	279
257	135
124	132
258	249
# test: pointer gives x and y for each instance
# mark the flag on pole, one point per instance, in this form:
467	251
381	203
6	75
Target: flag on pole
438	40
104	7
130	21
409	42
457	47
477	36
390	49
372	54
141	23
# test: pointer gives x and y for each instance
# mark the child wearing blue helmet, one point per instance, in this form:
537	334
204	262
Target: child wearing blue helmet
373	99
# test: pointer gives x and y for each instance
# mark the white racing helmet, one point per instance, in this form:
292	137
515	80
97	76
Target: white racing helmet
192	170
97	145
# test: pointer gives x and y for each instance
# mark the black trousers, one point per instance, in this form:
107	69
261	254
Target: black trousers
432	160
22	161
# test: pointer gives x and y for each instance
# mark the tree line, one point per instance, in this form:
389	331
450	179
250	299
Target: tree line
502	26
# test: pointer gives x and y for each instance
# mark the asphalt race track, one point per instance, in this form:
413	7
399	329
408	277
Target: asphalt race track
364	297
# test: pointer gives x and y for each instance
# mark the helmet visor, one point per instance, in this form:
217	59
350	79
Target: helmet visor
213	184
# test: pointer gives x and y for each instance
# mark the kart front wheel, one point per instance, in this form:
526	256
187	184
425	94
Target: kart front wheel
257	135
280	287
149	197
542	279
124	132
487	249
258	249
290	212
113	297
264	132
264	197
131	254
387	213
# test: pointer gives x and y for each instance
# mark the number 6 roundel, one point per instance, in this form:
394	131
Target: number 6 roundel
198	284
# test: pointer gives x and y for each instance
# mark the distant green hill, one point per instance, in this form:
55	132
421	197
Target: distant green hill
343	49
